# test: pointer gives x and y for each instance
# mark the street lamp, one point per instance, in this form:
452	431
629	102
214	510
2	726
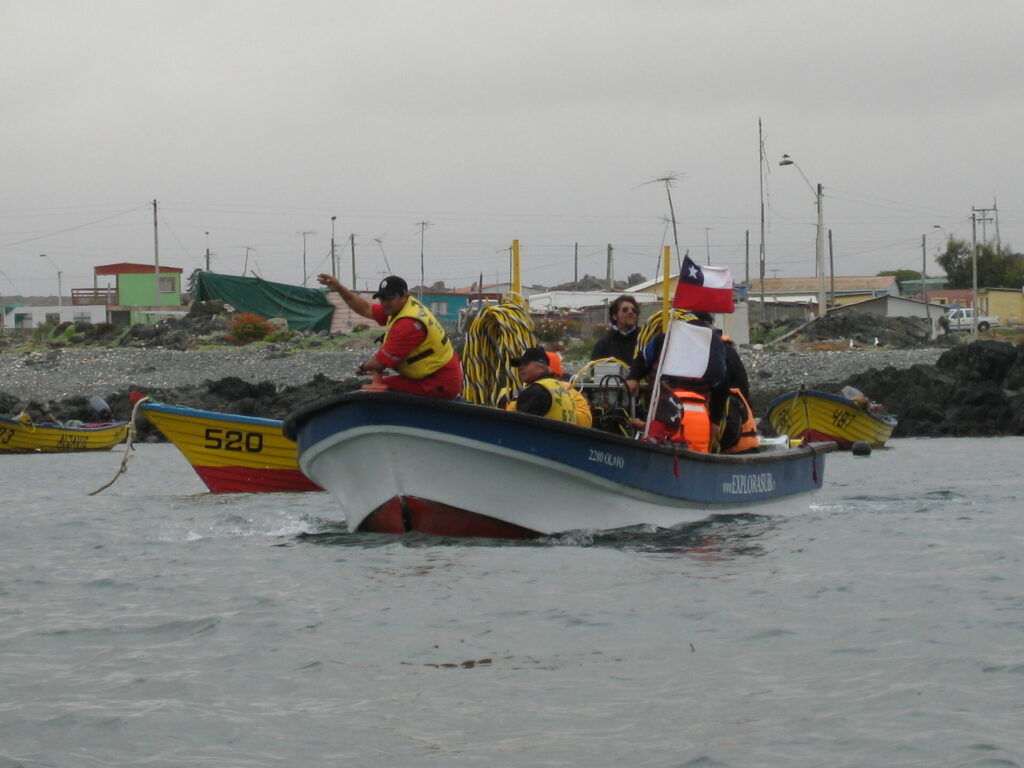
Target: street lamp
819	243
60	290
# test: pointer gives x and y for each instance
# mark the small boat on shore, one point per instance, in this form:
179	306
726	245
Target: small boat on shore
231	453
810	415
22	435
397	463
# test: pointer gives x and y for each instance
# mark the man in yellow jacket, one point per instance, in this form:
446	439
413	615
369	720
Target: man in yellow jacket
545	395
416	346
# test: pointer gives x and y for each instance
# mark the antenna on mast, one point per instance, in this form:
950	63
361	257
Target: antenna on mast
668	179
380	244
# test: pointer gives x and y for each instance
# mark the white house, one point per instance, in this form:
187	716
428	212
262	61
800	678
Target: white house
28	317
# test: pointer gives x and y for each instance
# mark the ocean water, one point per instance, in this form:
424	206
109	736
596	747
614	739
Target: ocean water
153	624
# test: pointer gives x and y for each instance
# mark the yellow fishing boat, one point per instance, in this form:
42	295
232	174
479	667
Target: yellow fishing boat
814	416
22	435
232	453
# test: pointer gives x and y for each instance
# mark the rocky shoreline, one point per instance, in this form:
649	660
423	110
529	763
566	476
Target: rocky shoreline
969	389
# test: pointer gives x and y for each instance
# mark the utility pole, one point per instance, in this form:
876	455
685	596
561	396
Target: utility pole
924	283
707	243
60	286
156	256
746	250
974	277
983	218
819	247
576	266
995	210
762	162
819	240
609	269
308	232
245	264
208	253
831	268
352	245
423	228
334	263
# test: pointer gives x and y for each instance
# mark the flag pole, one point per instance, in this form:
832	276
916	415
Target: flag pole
664	288
654	393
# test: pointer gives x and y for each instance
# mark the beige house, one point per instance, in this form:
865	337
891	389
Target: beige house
839	291
1006	303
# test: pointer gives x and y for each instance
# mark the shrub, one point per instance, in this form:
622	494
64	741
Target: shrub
554	328
247	328
278	336
43	332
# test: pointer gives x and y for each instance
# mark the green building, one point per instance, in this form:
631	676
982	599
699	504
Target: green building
135	295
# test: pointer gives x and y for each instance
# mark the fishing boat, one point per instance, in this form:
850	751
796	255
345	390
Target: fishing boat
231	453
397	463
22	435
810	415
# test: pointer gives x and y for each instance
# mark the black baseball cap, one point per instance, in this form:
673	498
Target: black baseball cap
391	286
534	355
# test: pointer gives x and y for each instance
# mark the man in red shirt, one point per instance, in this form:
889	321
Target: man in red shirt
415	346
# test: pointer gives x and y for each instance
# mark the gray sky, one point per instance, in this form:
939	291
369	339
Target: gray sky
255	121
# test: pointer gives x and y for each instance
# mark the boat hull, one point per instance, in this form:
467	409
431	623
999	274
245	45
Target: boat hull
232	453
397	463
18	436
810	415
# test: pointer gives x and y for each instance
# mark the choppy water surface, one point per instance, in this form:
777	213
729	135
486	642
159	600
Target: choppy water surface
157	625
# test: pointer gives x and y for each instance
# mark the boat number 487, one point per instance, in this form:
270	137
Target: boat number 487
233	440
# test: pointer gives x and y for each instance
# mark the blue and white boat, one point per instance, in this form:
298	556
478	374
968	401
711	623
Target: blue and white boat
398	463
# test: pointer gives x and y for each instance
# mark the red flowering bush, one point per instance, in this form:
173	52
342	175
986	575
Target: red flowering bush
247	328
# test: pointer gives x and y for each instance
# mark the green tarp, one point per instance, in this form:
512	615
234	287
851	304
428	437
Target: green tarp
305	309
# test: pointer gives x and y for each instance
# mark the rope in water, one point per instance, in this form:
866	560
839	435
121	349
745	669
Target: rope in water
128	447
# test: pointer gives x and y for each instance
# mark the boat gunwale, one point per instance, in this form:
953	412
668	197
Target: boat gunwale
184	410
295	420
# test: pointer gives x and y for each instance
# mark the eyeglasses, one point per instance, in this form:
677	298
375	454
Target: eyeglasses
626	308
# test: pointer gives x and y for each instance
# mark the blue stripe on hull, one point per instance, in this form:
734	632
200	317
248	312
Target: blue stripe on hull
698	478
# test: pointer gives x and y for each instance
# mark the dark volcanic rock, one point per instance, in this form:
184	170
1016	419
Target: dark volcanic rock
868	330
972	390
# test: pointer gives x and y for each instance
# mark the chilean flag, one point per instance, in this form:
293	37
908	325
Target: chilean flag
704	289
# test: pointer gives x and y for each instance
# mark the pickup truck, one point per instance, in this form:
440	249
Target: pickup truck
961	319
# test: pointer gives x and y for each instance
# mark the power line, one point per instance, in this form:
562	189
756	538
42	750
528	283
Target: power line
72	229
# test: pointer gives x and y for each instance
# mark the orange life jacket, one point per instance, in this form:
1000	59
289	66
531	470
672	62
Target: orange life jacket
695	421
748	439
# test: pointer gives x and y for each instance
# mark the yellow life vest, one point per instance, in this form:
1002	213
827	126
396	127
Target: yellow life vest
583	415
562	406
436	349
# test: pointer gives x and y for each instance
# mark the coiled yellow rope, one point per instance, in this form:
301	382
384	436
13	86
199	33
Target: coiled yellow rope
498	335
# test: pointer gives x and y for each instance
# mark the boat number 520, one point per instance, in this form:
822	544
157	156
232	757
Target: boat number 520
233	440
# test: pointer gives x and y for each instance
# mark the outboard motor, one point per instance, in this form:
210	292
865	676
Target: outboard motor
99	405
